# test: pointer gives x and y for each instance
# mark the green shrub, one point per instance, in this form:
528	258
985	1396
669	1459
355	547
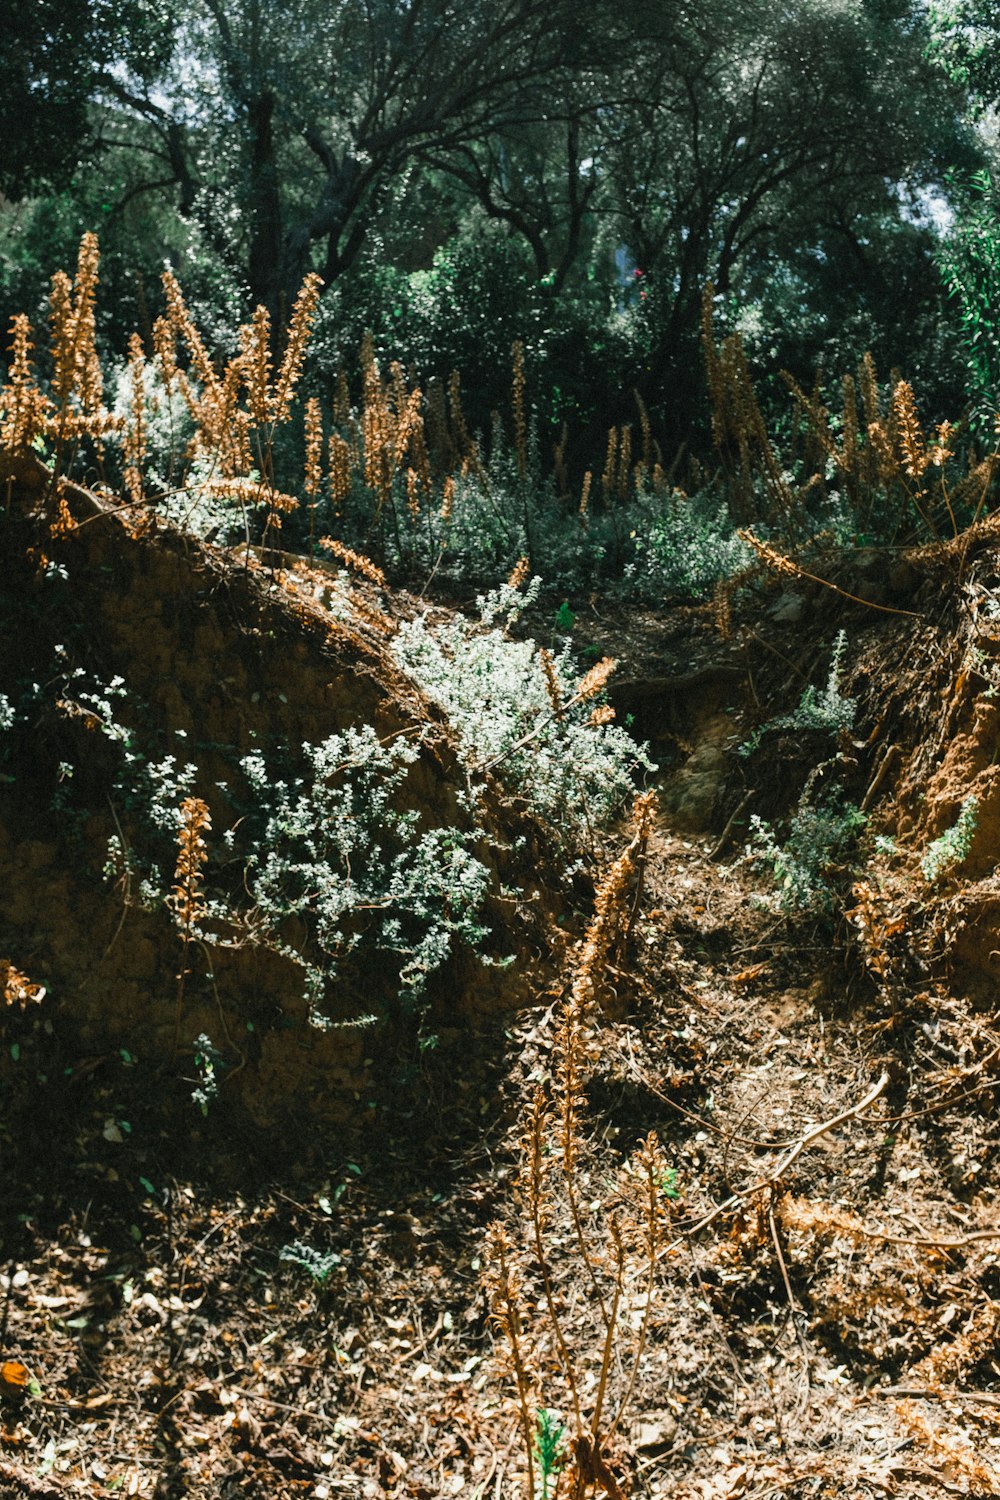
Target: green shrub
573	772
946	853
819	837
325	861
332	849
827	710
550	1449
682	547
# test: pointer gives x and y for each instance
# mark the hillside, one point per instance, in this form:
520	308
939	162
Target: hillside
689	1192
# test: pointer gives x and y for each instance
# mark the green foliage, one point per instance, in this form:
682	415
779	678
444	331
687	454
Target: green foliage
819	838
969	257
461	184
463	311
667	1183
683	546
964	36
327	860
51	54
319	1263
333	849
573	773
822	830
946	853
827	710
493	519
565	619
210	1063
550	1449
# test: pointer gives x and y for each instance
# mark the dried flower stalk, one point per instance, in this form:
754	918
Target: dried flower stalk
136	430
16	988
354	560
551	681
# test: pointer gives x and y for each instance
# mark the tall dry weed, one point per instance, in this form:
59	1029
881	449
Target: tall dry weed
613	1256
187	901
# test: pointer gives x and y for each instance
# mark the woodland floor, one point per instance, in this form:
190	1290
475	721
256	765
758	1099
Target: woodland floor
210	1312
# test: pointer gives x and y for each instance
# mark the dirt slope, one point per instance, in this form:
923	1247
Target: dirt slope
218	655
301	1312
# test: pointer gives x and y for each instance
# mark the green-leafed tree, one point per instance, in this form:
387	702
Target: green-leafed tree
965	43
304	118
46	82
453	169
766	128
55	53
966	46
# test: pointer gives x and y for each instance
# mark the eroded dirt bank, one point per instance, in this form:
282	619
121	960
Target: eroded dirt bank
152	640
299	1309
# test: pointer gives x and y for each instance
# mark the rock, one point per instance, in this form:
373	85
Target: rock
655	1429
787	610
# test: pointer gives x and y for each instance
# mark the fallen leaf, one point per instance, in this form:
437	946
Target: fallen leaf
96	1402
14	1378
745	975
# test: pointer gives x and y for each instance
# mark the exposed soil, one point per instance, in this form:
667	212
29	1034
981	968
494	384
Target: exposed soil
285	1299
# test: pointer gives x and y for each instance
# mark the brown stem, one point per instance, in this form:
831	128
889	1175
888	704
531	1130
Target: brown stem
609	1338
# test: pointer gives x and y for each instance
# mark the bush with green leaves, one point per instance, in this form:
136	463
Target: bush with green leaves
571	771
820	836
683	546
332	848
969	260
317	862
492	516
948	851
826	709
315	853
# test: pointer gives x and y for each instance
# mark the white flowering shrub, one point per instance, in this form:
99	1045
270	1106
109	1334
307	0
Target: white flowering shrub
332	848
573	772
315	865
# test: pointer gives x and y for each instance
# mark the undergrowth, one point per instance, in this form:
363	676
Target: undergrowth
948	851
814	855
248	450
825	709
314	851
567	1413
309	850
525	714
317	860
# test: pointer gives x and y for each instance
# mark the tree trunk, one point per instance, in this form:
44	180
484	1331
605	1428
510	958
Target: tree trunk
264	209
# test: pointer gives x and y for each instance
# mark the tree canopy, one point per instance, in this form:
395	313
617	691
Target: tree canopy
604	165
